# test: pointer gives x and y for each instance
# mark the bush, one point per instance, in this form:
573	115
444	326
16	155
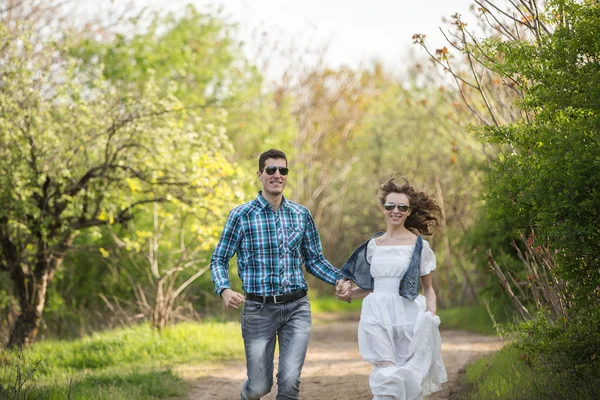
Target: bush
547	362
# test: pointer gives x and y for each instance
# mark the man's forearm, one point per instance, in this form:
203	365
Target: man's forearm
323	270
219	276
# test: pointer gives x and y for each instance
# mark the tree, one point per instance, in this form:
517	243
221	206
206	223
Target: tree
550	181
75	153
546	54
195	49
177	243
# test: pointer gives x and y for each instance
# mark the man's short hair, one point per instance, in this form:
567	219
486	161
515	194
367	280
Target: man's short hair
273	153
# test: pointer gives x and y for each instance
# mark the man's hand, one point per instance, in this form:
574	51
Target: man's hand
232	299
342	289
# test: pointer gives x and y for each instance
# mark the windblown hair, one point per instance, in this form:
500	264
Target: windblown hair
273	153
425	213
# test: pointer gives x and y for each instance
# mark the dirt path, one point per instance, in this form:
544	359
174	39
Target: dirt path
333	368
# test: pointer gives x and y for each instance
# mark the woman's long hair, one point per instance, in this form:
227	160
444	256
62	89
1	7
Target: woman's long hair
425	214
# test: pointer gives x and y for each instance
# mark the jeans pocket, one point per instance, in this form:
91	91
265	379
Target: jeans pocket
252	307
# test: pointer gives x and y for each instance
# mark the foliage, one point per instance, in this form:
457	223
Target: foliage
489	234
548	181
514	374
193	54
78	154
344	130
544	181
573	346
196	50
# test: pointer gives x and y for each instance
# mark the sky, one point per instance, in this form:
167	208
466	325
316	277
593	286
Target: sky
355	31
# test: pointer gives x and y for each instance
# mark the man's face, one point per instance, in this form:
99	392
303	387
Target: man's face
273	184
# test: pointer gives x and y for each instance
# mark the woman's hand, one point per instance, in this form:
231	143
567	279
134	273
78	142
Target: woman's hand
343	289
430	298
430	307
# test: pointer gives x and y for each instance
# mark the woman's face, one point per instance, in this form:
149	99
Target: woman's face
394	215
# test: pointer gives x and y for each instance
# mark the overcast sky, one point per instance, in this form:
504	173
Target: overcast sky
356	31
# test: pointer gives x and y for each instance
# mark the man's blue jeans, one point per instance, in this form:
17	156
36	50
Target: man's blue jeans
261	324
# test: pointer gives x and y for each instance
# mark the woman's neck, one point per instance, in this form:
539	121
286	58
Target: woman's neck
399	232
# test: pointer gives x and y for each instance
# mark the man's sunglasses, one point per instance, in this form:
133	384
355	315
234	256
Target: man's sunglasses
271	170
391	206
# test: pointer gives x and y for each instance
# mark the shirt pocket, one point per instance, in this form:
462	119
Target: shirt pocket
294	239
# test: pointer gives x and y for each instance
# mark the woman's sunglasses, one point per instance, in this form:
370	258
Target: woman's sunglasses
271	170
391	206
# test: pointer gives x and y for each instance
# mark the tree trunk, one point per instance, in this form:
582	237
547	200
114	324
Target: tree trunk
31	286
159	317
31	290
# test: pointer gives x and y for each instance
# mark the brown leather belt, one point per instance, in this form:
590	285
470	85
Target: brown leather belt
276	299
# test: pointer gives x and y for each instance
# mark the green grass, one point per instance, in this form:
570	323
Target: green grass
498	376
472	319
125	385
141	344
333	305
124	363
509	375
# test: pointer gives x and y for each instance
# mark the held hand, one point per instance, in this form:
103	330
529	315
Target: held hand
232	299
342	289
341	286
344	296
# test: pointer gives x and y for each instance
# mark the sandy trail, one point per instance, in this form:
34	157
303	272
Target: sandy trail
333	368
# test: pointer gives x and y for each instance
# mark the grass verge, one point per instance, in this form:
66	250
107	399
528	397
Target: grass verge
128	363
510	375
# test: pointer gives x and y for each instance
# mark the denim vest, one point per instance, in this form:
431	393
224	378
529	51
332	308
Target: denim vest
358	269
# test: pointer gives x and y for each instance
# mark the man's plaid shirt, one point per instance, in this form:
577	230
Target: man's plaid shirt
267	264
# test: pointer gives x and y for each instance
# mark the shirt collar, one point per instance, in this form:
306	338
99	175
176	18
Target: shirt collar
264	203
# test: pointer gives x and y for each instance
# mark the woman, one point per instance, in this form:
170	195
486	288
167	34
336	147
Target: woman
398	330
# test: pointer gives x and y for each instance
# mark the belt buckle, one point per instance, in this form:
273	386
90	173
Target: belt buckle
275	300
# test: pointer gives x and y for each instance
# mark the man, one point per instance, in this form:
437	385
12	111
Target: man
273	237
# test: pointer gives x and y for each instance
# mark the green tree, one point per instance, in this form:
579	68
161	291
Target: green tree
549	180
75	153
196	50
544	183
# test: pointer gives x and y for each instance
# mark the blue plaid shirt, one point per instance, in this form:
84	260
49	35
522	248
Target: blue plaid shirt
270	260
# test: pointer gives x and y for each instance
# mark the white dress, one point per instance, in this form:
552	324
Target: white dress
397	336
